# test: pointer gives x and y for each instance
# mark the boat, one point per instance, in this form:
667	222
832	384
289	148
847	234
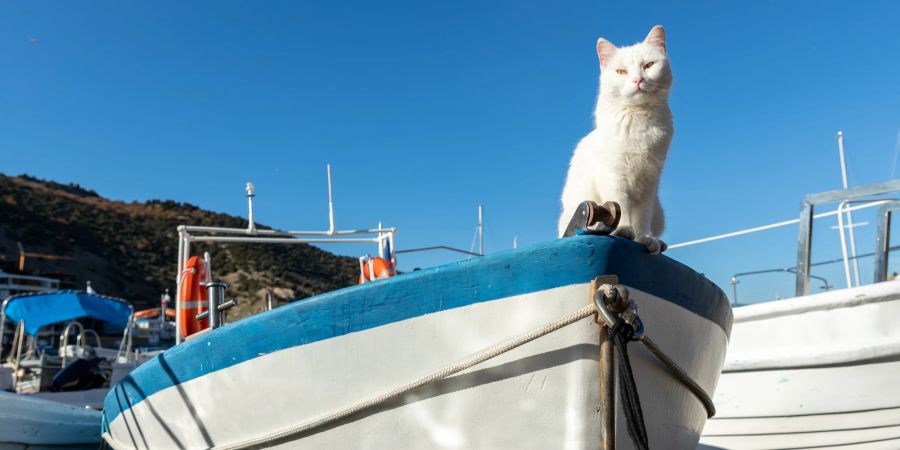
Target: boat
499	351
43	363
55	388
154	328
818	370
28	423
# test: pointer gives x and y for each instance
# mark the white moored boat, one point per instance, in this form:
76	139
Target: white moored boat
817	370
262	380
27	423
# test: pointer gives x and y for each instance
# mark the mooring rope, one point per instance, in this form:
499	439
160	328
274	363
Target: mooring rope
682	376
473	360
460	366
621	334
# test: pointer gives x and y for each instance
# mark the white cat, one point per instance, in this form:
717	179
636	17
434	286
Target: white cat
622	159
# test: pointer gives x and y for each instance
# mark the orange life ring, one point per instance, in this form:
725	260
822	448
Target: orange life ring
371	269
193	296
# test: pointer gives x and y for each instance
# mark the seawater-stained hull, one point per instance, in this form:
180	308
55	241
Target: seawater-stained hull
301	361
818	371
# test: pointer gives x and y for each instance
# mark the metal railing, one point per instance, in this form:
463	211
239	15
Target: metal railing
807	207
385	238
865	196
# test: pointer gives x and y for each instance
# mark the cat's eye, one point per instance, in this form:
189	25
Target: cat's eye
621	71
648	65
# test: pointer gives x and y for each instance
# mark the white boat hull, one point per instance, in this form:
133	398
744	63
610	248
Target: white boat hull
544	394
818	371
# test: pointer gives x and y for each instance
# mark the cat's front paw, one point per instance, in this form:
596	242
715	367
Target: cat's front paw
654	245
624	232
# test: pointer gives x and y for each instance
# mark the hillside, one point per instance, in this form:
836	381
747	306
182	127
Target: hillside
129	250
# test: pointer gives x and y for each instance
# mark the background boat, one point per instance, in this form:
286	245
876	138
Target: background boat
819	370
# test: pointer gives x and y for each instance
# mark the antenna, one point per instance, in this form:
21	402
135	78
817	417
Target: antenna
330	202
251	227
481	230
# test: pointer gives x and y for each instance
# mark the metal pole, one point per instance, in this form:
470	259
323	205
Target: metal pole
804	248
330	202
392	235
840	217
3	325
481	230
178	284
164	305
216	292
734	283
224	230
381	237
208	275
840	139
251	226
882	242
186	252
279	240
607	392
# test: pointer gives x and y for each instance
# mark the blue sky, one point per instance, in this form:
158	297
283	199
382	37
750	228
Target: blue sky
427	109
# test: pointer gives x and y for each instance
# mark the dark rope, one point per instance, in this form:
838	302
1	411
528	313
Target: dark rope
621	334
682	376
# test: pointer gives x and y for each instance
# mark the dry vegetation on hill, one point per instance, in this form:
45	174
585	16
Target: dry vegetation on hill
129	249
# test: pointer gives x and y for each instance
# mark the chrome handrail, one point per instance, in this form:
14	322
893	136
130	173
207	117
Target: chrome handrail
64	339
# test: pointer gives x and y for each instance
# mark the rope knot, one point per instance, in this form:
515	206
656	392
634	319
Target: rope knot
622	329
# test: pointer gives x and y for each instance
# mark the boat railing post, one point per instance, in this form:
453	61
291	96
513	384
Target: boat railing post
3	325
883	240
184	251
804	247
130	335
18	337
734	282
392	239
64	340
216	293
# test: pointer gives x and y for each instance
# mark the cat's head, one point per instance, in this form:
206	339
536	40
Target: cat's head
635	75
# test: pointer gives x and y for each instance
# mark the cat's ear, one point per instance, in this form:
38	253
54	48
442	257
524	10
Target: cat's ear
605	51
657	38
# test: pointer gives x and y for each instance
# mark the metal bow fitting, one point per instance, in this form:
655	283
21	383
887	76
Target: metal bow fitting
614	307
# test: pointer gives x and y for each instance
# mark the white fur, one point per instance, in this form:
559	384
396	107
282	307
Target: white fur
622	159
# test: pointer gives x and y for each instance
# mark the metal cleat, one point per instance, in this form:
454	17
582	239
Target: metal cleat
591	218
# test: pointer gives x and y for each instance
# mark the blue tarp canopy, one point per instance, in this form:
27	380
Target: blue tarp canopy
39	310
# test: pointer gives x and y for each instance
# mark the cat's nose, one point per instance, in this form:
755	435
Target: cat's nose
638	81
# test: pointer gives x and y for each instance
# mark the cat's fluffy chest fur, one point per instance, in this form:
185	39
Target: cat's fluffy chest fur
632	146
622	158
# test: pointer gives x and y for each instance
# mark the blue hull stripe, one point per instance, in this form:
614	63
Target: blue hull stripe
548	265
